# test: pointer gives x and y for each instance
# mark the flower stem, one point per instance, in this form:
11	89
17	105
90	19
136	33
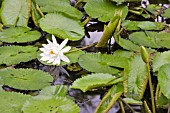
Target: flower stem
85	47
39	10
78	3
121	106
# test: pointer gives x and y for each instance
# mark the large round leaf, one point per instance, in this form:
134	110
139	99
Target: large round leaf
15	13
50	105
10	55
62	26
164	79
19	35
12	102
25	79
104	9
72	56
102	63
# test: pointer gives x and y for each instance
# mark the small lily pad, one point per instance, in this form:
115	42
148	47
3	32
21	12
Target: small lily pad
25	79
62	26
101	63
19	35
10	55
12	102
40	104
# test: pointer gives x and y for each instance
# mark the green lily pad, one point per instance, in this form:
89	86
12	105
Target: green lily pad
72	56
101	63
19	35
137	78
12	102
164	79
163	39
166	13
92	81
62	26
15	13
25	79
104	9
59	6
58	90
160	59
147	38
40	104
153	8
10	55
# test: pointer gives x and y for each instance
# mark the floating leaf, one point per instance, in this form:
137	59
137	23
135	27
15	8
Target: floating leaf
144	25
101	63
132	101
62	26
147	38
128	45
153	8
19	35
92	81
15	13
25	79
10	55
137	74
163	101
72	56
12	102
166	13
160	59
110	98
163	39
164	79
58	90
60	6
123	53
47	105
104	10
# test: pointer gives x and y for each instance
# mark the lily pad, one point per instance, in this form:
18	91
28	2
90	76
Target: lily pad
72	56
15	13
10	55
147	38
25	79
136	72
12	102
92	81
59	6
19	35
101	63
46	105
166	13
163	39
104	10
160	59
62	26
164	79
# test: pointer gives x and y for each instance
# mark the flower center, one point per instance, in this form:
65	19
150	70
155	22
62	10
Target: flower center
51	52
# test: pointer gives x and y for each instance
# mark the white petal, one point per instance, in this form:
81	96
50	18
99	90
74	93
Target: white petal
66	49
45	58
49	41
57	61
65	59
42	49
51	60
54	40
63	43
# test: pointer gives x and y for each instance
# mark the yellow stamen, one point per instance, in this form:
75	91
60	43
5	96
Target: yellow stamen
51	52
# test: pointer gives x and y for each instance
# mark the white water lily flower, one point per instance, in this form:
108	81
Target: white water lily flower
53	52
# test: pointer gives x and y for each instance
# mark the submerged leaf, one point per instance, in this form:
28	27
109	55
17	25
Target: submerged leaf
137	74
102	63
19	35
92	81
62	26
104	10
10	55
25	79
15	13
164	79
40	104
12	102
